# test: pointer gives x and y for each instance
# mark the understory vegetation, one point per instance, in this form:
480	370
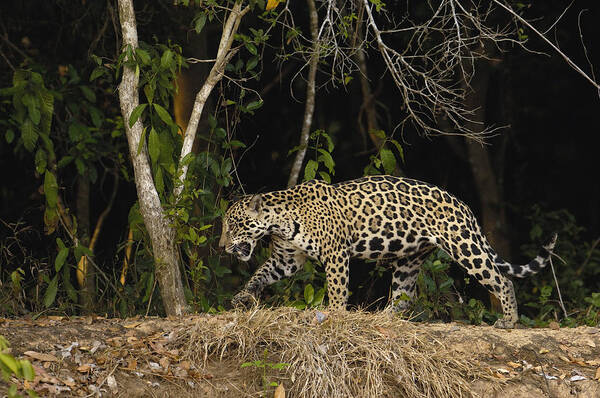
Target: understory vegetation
73	239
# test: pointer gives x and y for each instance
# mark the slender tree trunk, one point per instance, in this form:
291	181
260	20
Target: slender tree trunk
85	274
309	107
493	218
162	235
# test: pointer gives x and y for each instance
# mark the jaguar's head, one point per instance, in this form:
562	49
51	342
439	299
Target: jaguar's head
243	226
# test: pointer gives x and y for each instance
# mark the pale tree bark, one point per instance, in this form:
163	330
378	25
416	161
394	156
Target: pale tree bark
162	235
309	105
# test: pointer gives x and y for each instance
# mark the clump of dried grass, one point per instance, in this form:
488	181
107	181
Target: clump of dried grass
350	354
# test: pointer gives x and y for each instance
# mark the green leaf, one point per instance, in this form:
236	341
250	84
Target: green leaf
309	294
326	177
96	73
95	115
254	105
163	114
28	134
388	160
199	22
166	59
40	161
59	261
310	170
9	136
149	91
327	160
88	93
136	113
251	48
50	189
10	362
143	56
251	64
154	145
27	370
318	300
34	114
50	293
399	148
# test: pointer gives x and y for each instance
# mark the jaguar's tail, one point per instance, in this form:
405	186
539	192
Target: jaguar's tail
521	271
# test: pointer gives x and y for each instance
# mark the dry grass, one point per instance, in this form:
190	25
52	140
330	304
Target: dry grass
350	354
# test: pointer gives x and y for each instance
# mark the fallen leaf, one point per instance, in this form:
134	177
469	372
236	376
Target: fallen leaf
165	362
279	392
543	351
85	368
593	362
40	356
597	376
112	384
514	365
577	378
590	343
132	325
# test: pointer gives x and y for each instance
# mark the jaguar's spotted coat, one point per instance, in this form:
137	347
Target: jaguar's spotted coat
395	220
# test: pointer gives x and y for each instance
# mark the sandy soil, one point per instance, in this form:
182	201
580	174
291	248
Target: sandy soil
94	356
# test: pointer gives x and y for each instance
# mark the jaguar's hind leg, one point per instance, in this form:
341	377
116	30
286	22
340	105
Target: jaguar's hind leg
404	277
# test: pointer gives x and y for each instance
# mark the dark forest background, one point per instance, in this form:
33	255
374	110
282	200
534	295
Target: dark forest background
544	158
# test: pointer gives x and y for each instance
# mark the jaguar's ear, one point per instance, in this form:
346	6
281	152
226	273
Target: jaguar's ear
255	204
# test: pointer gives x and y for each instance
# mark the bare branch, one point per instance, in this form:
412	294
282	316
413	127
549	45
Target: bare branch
224	54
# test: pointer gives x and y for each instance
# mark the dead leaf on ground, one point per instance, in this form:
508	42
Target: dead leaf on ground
40	356
279	392
597	376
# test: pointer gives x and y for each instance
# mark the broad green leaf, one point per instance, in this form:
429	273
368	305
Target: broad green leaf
50	293
326	177
251	48
310	170
95	115
254	105
327	160
59	261
28	134
251	64
199	22
309	294
399	148
50	189
149	91
143	56
34	114
318	300
40	161
88	93
9	136
163	114
388	160
96	73
136	113
10	362
166	59
153	145
27	369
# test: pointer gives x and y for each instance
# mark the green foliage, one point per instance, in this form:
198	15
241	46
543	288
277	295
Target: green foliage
384	161
263	365
321	144
12	367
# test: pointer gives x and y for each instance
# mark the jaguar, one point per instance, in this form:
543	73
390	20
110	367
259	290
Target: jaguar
394	220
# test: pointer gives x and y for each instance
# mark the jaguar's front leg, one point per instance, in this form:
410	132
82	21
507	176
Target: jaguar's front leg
336	266
284	261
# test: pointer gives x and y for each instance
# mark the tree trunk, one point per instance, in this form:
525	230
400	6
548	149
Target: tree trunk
493	219
85	274
162	235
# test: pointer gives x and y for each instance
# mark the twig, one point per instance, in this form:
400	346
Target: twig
544	38
562	304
